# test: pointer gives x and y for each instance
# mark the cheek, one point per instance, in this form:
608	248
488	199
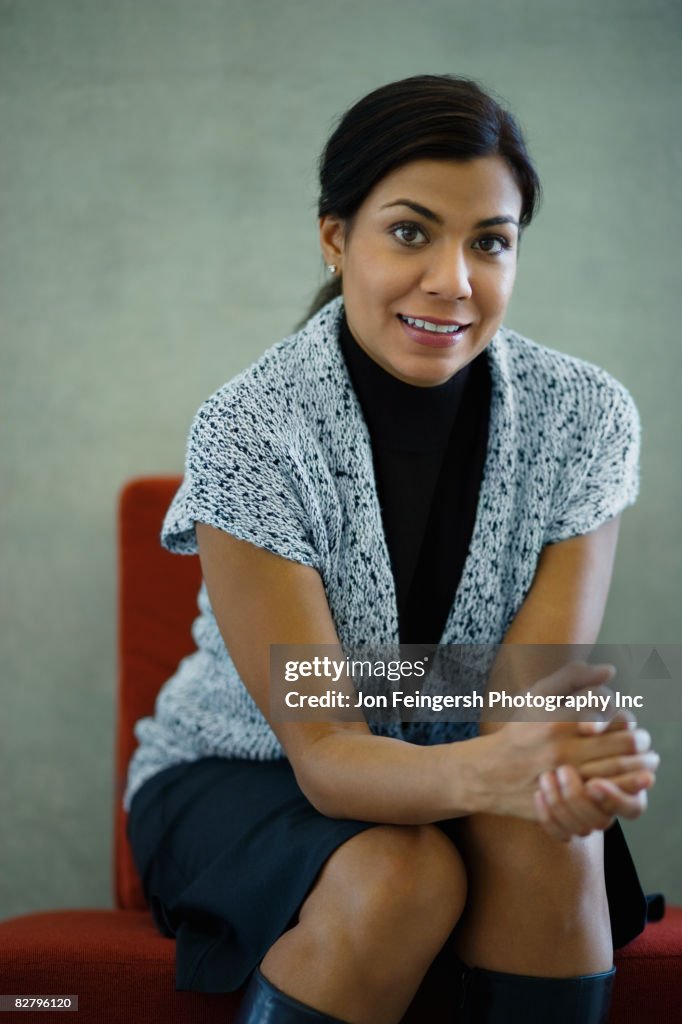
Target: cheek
374	284
366	275
497	290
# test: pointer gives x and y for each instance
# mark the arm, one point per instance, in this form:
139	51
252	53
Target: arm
566	606
567	599
258	599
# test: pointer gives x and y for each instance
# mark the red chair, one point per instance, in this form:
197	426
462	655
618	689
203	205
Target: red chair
115	961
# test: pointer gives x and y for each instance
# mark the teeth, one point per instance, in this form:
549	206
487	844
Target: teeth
426	325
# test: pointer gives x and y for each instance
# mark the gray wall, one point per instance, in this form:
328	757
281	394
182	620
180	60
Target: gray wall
158	233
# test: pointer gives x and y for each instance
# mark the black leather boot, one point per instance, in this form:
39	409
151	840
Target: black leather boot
265	1004
491	997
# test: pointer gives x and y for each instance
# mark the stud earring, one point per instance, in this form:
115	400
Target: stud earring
331	267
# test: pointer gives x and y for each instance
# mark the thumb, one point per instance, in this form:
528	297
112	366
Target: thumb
575	676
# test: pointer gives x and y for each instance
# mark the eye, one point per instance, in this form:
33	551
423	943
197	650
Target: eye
407	230
493	245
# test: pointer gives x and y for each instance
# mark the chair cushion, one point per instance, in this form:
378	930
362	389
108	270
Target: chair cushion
648	987
122	970
115	961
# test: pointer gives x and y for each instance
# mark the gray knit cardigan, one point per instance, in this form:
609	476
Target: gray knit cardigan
280	456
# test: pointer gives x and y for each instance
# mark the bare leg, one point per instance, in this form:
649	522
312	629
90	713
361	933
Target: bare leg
536	906
382	907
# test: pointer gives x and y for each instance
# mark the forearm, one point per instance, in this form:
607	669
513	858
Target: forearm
346	773
390	781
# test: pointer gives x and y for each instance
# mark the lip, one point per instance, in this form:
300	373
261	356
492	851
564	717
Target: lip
436	320
430	340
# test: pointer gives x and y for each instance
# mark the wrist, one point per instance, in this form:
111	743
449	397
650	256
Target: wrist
468	775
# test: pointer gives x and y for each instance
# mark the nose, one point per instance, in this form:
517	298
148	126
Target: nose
448	274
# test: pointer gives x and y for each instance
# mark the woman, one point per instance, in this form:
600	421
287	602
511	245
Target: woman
402	468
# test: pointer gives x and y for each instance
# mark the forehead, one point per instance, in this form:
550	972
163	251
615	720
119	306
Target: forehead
482	187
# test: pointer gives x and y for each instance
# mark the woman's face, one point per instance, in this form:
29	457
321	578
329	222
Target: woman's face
434	241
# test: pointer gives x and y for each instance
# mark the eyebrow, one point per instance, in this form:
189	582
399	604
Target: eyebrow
489	222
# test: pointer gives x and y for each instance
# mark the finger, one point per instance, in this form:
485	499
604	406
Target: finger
545	818
569	679
564	806
613	801
551	793
578	803
594	695
616	802
623	765
634	782
621	720
621	743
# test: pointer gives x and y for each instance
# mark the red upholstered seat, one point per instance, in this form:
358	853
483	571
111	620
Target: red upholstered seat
157	595
649	979
115	960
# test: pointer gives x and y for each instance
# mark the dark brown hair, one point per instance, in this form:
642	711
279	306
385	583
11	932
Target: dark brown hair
423	117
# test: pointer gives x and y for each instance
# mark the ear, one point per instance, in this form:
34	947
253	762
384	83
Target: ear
332	239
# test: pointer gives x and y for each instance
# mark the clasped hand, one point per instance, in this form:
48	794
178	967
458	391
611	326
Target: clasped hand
587	772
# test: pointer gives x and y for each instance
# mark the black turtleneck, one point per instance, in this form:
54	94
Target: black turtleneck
428	447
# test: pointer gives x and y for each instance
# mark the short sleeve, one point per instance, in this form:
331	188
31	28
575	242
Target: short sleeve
599	475
239	477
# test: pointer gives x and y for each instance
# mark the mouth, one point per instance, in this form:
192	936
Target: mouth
433	326
434	332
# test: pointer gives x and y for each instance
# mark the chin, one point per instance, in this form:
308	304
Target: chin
427	378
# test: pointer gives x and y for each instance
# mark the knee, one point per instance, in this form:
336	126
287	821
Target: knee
416	867
510	856
396	879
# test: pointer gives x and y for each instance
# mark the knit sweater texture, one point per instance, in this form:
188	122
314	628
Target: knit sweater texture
280	456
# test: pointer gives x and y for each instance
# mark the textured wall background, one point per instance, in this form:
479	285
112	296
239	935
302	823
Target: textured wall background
158	232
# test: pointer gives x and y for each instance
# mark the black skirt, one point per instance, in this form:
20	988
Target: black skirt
228	850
